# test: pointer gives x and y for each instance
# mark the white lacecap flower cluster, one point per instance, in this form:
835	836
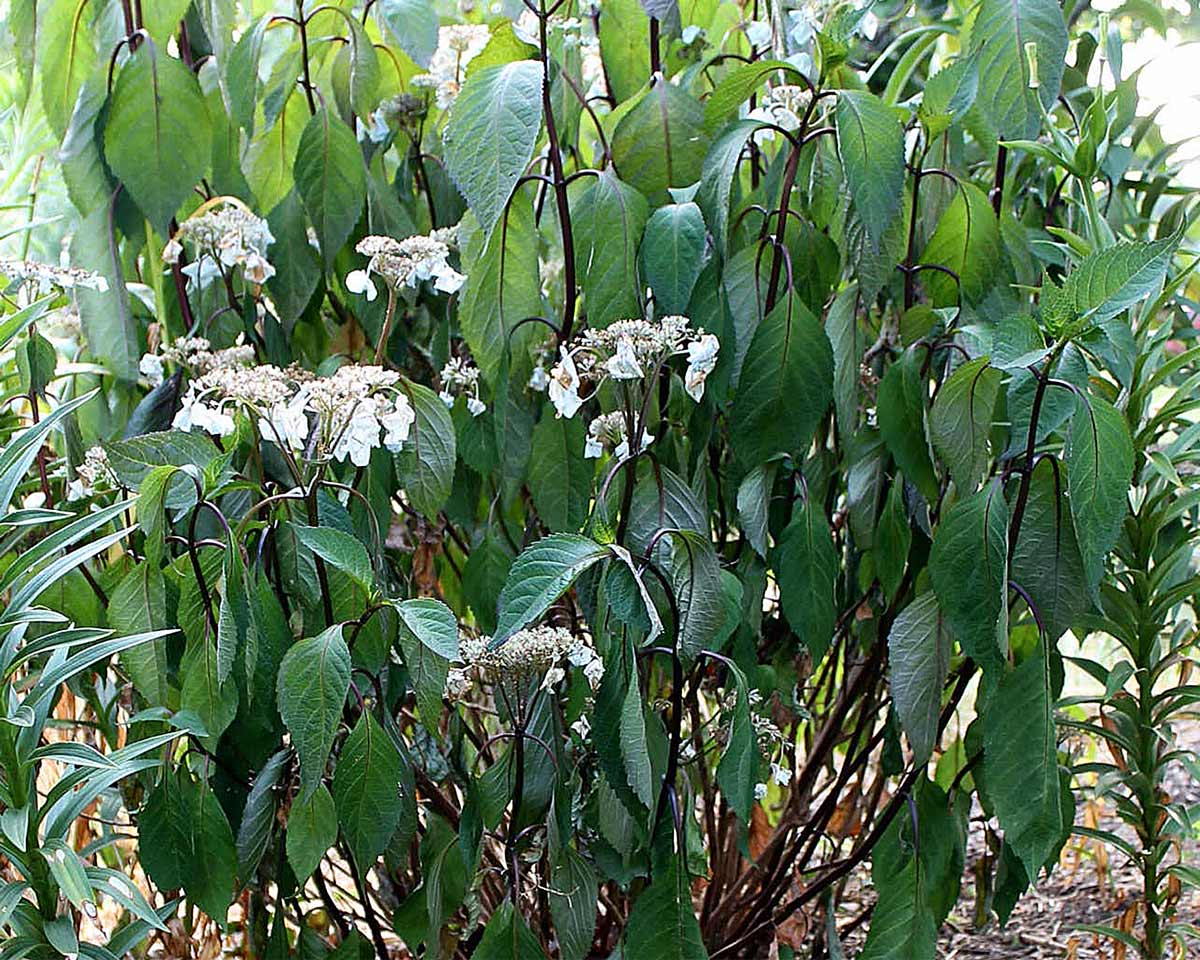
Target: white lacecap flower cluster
608	433
228	231
631	350
461	376
784	106
197	355
406	263
344	416
93	474
458	45
528	654
42	278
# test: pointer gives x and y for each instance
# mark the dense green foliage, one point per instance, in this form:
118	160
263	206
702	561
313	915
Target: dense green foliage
582	481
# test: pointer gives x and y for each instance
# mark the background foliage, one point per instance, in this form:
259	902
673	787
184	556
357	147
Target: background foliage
457	598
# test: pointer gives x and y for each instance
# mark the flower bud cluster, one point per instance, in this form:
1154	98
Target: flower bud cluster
44	277
526	655
196	355
607	434
93	474
229	232
461	376
406	263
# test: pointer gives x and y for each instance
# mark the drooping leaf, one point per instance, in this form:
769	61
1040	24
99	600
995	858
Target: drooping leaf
312	829
413	24
539	576
900	406
609	220
366	790
967	241
961	418
785	387
1099	455
313	681
662	924
158	138
258	817
66	54
340	550
425	464
807	569
967	564
948	95
562	483
997	42
508	937
661	142
737	771
672	255
490	134
919	657
331	179
1020	761
871	144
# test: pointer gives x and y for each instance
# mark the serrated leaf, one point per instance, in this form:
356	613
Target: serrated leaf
661	142
609	220
366	790
313	681
158	138
508	937
900	410
662	924
634	749
539	576
413	24
1099	455
66	55
997	41
562	483
139	605
948	95
733	89
871	144
258	817
241	74
753	503
425	464
737	771
807	569
961	419
339	550
573	899
331	179
785	387
1020	761
1110	281
312	829
490	134
968	567
919	658
672	255
967	241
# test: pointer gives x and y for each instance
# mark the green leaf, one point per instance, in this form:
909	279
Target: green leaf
271	155
484	577
1046	562
717	176
919	657
672	255
871	144
210	874
203	695
133	459
158	139
312	828
539	576
1020	761
961	419
66	55
1099	455
968	566
106	316
893	540
356	73
139	605
737	772
1108	282
634	749
490	134
339	550
413	24
366	790
967	240
562	483
696	580
753	505
433	623
331	179
429	641
807	569
502	289
297	264
258	817
241	75
737	85
161	18
662	924
609	220
661	142
623	48
573	898
785	387
948	95
997	42
425	464
69	872
507	937
313	681
900	409
901	927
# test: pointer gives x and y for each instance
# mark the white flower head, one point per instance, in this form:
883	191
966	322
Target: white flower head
397	423
359	282
404	263
780	775
564	386
760	791
702	359
623	364
151	367
758	32
539	380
